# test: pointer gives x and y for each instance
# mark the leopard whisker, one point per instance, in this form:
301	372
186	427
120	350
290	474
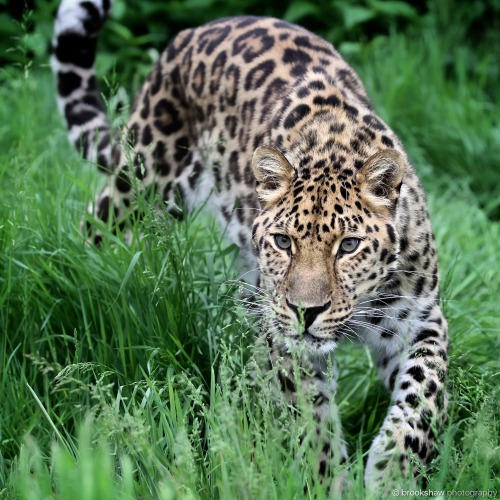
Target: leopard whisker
354	336
378	328
405	271
388	296
395	319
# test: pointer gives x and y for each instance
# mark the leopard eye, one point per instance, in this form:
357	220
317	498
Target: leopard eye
349	245
283	242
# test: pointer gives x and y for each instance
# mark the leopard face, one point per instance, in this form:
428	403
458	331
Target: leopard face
326	242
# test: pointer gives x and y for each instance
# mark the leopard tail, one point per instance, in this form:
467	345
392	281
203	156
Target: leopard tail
77	26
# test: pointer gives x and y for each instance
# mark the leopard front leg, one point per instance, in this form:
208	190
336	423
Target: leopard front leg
415	378
312	382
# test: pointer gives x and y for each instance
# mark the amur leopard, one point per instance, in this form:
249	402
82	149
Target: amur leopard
269	123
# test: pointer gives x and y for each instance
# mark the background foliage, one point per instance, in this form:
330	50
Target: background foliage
124	371
139	30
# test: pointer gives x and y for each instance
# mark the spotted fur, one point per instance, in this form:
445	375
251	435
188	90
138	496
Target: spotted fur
270	124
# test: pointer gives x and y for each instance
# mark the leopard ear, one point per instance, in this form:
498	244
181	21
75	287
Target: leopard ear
381	176
273	174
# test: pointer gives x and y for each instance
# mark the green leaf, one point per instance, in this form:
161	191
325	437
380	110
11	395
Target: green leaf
133	262
119	30
298	10
350	48
393	8
354	15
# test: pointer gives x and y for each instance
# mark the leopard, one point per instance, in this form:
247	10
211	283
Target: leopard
267	127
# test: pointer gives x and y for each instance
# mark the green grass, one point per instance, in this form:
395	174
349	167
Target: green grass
125	371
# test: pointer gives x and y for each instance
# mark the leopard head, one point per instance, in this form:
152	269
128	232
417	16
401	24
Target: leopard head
325	241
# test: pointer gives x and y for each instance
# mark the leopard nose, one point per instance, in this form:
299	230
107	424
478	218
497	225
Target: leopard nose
309	313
